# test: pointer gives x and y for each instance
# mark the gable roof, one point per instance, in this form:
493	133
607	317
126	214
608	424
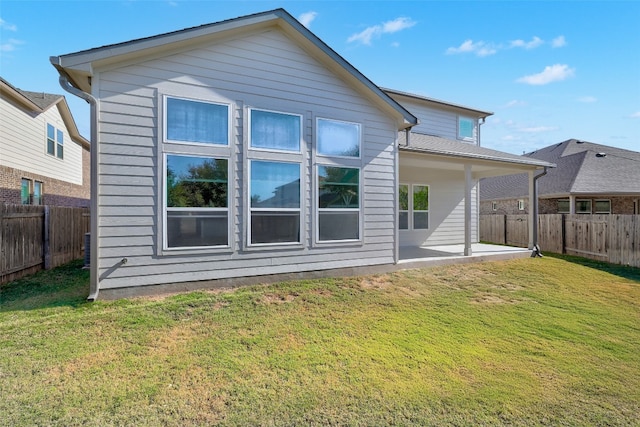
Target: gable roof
436	145
78	67
39	102
439	102
582	168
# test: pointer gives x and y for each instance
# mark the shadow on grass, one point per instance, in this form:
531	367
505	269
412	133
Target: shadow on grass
630	273
67	285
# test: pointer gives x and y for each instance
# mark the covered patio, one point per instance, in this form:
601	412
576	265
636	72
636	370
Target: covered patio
418	257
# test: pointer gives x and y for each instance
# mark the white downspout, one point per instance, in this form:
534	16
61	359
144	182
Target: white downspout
94	285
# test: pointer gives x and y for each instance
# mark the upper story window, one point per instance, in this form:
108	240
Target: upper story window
55	141
466	127
190	121
337	138
271	130
196	202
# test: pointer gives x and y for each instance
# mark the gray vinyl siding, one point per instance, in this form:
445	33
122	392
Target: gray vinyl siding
446	207
262	70
440	121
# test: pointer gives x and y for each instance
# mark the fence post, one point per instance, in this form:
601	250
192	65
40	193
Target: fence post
46	246
504	223
563	221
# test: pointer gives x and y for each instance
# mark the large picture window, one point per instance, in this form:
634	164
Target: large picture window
275	202
338	139
338	203
413	207
196	121
275	131
196	210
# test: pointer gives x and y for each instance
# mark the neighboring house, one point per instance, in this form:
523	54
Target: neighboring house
589	178
43	158
248	147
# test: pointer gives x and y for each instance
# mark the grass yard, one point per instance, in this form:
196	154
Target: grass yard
551	341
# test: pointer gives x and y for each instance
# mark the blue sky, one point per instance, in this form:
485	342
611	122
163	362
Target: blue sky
549	70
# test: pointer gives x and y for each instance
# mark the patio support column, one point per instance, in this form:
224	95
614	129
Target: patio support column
532	210
468	185
572	204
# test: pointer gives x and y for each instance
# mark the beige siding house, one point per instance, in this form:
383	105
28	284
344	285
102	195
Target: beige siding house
249	148
43	158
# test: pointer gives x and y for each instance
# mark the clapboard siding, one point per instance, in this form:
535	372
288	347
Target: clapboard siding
24	144
440	121
261	70
446	207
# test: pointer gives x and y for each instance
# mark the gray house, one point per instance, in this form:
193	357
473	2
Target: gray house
589	179
249	148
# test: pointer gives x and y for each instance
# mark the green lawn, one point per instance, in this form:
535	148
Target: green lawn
551	341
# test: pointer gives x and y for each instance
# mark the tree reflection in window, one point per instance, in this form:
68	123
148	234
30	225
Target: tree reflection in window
196	182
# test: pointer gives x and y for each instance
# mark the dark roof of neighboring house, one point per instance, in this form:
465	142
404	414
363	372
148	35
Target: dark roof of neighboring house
42	99
431	144
582	168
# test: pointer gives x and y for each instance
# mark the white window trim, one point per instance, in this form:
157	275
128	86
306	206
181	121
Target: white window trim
166	140
165	208
595	204
318	209
331	156
471	138
56	143
250	209
271	150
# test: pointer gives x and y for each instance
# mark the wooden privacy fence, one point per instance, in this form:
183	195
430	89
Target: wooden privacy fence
37	237
611	238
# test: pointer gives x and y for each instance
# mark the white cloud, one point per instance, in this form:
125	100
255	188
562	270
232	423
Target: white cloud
7	26
535	42
307	18
515	103
636	115
511	138
558	42
551	73
389	27
10	45
397	24
469	46
587	99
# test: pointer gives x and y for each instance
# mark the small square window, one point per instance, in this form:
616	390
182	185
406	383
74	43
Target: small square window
563	206
466	128
494	206
583	206
520	205
603	206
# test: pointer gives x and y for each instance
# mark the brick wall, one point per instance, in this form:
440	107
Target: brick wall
619	205
55	192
